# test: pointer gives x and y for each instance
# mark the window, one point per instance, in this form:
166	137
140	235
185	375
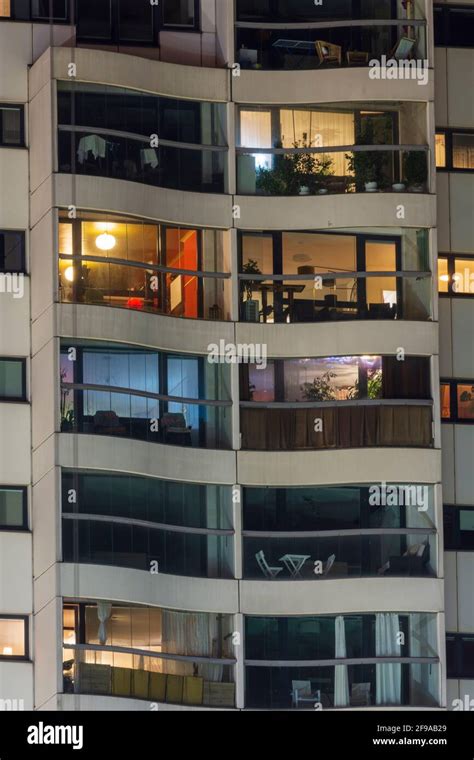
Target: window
457	401
12	251
13	511
181	13
11	126
460	655
455	150
94	20
136	21
440	150
456	275
12	379
35	10
454	26
458	528
13	637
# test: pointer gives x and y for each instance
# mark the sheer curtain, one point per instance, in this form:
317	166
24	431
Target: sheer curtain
189	633
318	129
341	680
388	675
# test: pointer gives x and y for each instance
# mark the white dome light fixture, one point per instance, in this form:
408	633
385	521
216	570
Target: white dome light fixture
105	241
69	274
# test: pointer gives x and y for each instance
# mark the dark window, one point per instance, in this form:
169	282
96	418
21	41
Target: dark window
11	125
460	655
454	26
49	9
458	528
12	251
136	21
181	13
12	379
94	20
13	511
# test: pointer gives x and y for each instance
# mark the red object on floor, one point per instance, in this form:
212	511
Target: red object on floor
135	303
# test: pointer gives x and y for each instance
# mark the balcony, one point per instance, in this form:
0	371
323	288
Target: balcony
317	171
108	154
323	45
348	554
374	682
198	553
323	426
96	410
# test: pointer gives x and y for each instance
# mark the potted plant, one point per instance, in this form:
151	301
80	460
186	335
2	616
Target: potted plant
251	305
320	389
366	166
295	173
416	170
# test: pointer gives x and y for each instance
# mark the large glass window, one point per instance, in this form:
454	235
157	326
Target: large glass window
293	11
460	655
457	401
453	25
11	126
13	513
12	379
35	10
128	392
458	528
455	150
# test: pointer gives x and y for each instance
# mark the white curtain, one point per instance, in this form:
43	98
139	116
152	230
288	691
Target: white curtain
191	634
104	610
388	675
256	129
341	680
318	129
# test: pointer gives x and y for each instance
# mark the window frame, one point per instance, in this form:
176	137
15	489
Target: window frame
21	108
451	260
453	401
24	397
39	19
22	235
24	526
448	133
457	669
26	640
441	23
454	510
196	27
114	38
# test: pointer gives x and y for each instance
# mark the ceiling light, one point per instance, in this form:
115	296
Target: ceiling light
105	241
8	651
444	278
69	274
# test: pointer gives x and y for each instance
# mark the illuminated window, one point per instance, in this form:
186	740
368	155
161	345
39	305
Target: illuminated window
5	8
445	401
440	150
465	398
463	151
463	277
443	276
13	637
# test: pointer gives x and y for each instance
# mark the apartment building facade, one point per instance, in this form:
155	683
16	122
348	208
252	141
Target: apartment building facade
231	247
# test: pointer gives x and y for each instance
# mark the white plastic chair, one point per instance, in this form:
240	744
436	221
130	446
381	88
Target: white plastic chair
269	572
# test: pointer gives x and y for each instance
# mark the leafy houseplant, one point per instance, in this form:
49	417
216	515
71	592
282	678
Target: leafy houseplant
320	389
250	267
416	170
293	173
367	166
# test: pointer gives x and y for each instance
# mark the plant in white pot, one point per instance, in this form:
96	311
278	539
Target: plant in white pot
366	166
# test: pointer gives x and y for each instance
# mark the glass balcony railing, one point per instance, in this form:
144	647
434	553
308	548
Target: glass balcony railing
326	44
339	297
124	544
384	682
311	171
123	285
327	426
306	557
156	420
119	672
132	158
